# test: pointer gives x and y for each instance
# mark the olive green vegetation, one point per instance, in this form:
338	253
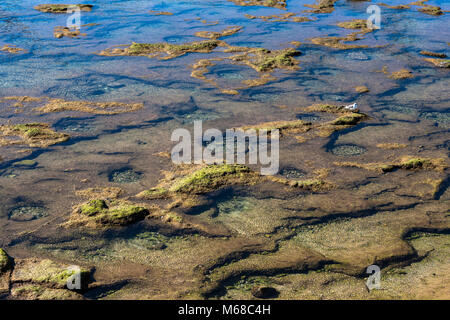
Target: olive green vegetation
415	163
173	50
25	163
93	207
353	24
5	261
281	125
209	178
406	163
325	108
349	119
33	134
118	213
62	8
47	272
282	58
154	193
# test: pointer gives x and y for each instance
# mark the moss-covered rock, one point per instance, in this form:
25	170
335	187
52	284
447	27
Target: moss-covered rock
212	177
158	49
5	261
37	292
440	63
97	213
349	119
48	273
153	193
354	24
32	134
279	4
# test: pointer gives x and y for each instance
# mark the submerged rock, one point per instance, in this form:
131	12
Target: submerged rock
264	292
27	213
11	49
279	4
5	261
32	134
348	150
98	213
62	8
47	272
124	176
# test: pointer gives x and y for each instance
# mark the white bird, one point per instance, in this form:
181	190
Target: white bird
351	107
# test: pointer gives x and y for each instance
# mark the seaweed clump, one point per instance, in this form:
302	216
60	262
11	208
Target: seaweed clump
5	261
214	35
290	16
32	134
397	75
322	6
48	273
279	4
11	49
440	63
154	50
62	8
211	177
98	212
60	32
406	163
433	54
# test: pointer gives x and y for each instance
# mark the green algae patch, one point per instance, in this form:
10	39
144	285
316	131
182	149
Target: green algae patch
354	24
93	207
33	134
5	261
322	6
297	126
279	4
406	163
37	292
171	51
216	35
106	108
98	212
48	273
25	163
212	177
327	108
290	16
154	193
349	119
62	8
278	59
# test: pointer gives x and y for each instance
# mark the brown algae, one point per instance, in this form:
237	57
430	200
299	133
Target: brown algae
62	8
38	135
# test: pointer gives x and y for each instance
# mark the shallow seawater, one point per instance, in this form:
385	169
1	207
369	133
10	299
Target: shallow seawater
242	231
